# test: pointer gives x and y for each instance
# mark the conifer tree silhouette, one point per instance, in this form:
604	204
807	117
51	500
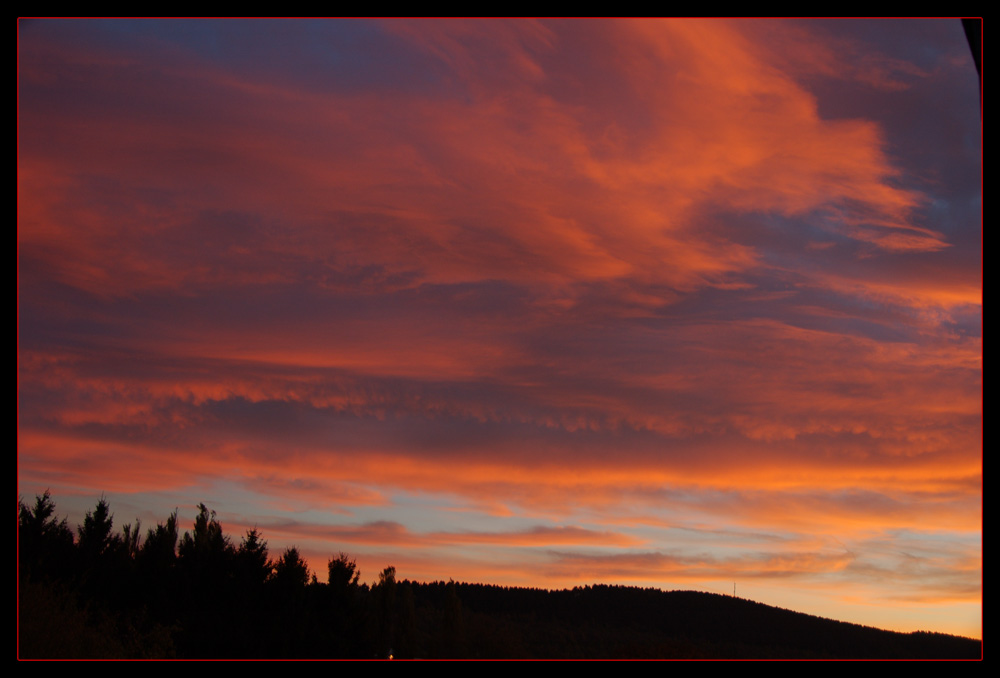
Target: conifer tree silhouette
94	537
290	571
45	543
342	572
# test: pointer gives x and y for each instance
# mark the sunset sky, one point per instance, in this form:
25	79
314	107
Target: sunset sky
670	303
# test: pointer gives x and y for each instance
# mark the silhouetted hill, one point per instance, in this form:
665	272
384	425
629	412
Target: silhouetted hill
615	621
199	595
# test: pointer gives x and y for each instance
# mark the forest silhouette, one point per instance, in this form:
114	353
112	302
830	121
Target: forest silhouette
114	594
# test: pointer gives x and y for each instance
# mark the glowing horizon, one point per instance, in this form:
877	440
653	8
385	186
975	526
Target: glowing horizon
673	303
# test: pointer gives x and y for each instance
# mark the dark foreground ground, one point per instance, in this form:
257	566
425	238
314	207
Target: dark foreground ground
102	595
461	621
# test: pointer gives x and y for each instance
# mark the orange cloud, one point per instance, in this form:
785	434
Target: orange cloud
604	279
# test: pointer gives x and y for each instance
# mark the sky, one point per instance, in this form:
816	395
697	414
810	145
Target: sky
686	304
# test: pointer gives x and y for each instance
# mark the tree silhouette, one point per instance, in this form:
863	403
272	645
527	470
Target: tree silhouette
342	572
130	539
94	536
290	571
45	543
208	543
252	565
385	601
161	543
157	560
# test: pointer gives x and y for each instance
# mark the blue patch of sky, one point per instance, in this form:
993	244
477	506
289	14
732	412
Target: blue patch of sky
436	512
